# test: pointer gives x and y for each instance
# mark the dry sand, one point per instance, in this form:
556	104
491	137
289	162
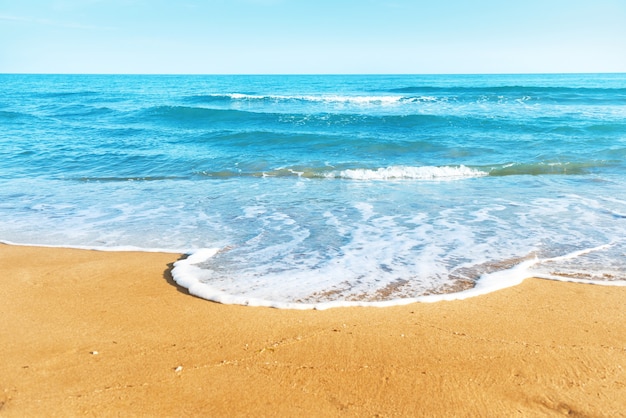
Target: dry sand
109	334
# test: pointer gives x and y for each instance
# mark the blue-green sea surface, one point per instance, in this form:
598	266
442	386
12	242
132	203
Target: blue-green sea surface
318	191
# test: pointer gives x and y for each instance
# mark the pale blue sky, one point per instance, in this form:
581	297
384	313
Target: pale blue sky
312	36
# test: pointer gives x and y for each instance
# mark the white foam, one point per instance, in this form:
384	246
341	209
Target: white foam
361	100
118	248
240	96
410	173
323	98
187	273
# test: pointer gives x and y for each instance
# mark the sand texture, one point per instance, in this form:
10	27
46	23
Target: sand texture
109	334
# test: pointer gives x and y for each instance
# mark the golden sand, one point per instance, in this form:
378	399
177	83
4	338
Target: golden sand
109	334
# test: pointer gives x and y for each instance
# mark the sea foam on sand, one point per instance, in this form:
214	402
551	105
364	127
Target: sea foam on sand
186	273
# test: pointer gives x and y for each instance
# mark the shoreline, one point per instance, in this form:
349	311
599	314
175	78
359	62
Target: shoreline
110	333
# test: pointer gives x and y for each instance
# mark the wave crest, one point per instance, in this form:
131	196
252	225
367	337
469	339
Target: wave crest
366	174
322	98
410	173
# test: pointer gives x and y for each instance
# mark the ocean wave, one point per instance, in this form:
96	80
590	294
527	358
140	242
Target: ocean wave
445	117
410	173
548	168
435	173
81	111
519	93
66	94
194	115
367	174
9	116
113	179
377	100
508	89
411	97
331	99
186	112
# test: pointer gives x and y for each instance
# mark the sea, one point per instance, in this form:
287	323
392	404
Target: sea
317	191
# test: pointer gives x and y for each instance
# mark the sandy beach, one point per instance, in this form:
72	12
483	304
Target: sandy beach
110	334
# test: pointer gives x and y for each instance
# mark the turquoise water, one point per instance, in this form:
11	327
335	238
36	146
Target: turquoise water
324	189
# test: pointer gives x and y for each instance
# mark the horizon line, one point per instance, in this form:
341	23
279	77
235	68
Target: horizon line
315	74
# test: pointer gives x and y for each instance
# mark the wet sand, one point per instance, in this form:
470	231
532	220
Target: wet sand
110	334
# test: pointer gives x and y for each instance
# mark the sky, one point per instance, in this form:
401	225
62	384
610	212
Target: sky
312	36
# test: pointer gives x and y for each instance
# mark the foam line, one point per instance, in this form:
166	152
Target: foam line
119	248
186	273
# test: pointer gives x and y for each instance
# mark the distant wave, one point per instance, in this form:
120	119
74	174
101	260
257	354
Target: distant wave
82	111
186	111
416	94
429	94
508	89
346	99
392	98
64	94
194	114
199	114
525	93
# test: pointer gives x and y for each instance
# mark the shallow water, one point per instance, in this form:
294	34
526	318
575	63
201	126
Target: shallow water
324	189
